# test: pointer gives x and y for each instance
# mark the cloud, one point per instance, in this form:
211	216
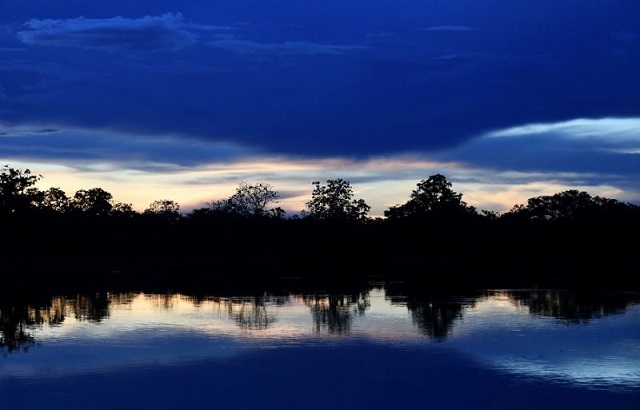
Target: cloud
285	48
492	173
78	145
610	130
167	31
597	149
16	132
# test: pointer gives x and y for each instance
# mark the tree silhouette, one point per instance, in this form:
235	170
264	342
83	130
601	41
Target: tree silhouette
335	201
552	239
17	192
568	205
432	196
249	200
94	201
55	200
123	210
252	200
165	209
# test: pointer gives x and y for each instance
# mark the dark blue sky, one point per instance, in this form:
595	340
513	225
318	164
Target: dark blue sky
150	85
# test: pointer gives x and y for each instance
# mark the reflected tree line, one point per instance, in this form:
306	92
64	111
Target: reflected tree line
252	313
572	307
19	317
433	238
335	313
434	314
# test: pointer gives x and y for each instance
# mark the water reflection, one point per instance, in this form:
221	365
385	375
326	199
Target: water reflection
519	332
18	319
433	314
334	313
13	335
252	313
93	307
573	307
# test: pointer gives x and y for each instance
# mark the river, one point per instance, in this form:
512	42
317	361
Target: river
382	346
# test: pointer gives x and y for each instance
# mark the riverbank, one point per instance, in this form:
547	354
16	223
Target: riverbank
269	271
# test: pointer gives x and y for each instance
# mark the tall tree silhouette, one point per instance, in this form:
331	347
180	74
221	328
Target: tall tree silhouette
249	200
17	191
94	201
253	199
335	201
55	200
164	209
432	196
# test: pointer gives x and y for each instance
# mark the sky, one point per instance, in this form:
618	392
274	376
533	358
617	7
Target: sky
161	99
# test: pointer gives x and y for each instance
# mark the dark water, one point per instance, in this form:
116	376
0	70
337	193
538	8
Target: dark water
379	347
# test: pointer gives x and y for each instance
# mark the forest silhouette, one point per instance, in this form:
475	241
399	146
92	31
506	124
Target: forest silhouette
435	239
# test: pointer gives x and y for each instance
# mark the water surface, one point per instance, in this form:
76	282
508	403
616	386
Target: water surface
379	347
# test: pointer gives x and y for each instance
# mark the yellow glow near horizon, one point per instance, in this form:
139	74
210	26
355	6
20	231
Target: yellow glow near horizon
193	187
381	182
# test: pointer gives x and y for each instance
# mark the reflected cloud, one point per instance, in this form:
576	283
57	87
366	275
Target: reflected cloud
503	329
530	341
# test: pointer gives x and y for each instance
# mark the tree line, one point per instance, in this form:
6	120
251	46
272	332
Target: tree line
432	197
433	234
